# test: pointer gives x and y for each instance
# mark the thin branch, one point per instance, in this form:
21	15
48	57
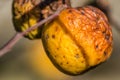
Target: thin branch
8	46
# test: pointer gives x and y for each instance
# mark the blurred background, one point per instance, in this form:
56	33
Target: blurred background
28	61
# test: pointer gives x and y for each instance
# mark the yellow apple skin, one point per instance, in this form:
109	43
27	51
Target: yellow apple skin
79	39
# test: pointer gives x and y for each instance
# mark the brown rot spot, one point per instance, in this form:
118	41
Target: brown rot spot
57	48
96	46
82	12
105	53
70	11
67	63
107	36
82	61
104	32
77	55
53	36
98	59
97	18
55	56
63	56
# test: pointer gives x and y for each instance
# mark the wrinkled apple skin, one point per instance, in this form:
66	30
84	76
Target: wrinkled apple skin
79	39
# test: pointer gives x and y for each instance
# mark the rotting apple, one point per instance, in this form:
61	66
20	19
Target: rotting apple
78	40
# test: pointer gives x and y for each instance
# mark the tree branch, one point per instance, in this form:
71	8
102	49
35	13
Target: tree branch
8	46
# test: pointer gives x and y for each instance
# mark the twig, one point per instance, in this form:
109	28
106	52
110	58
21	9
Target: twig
8	46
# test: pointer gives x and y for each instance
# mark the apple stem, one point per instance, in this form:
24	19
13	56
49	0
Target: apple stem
9	45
